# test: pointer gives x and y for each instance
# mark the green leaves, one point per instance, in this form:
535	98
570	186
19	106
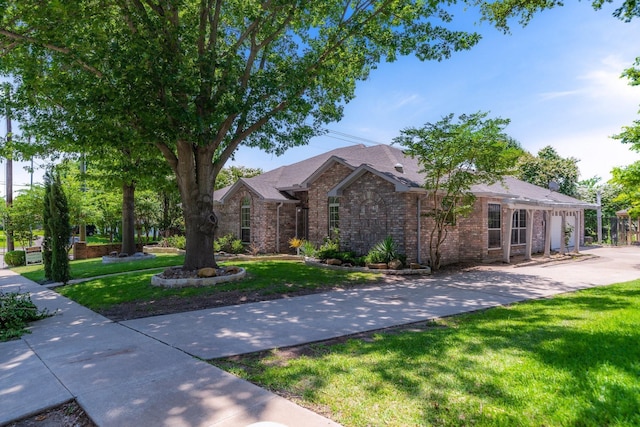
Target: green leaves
455	155
549	166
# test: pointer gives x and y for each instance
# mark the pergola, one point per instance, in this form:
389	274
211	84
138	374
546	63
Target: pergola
549	208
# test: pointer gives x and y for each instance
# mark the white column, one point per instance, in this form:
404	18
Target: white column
506	238
530	213
563	224
547	234
577	232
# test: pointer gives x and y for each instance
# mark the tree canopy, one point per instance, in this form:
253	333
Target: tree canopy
548	166
456	154
193	80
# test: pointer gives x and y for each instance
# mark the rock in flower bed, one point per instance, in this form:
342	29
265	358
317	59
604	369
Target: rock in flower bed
178	277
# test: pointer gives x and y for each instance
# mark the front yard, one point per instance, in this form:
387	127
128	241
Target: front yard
573	360
130	295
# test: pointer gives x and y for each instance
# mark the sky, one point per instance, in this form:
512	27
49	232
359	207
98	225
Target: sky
557	80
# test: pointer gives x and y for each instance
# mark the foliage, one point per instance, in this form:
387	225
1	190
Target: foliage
260	74
179	242
628	179
25	214
15	258
454	155
308	249
295	243
16	310
228	176
384	251
588	190
548	166
228	243
57	229
571	360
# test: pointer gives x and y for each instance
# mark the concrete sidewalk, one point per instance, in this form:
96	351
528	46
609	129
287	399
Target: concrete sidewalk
141	371
122	377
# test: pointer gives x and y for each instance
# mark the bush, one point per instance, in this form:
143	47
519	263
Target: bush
308	249
383	252
228	243
236	246
15	258
16	310
179	242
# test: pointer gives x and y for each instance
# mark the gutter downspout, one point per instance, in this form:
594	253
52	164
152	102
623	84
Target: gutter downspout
278	227
419	255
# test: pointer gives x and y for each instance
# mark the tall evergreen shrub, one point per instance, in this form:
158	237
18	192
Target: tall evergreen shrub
58	227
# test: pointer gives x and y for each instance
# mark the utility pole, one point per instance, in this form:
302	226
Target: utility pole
9	170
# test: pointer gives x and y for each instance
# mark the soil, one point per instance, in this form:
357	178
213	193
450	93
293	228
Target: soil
72	415
67	415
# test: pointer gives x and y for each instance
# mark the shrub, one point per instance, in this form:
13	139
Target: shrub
179	242
16	310
236	246
15	258
223	243
308	249
383	252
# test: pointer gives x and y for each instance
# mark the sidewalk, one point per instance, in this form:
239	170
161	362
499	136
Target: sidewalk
121	377
142	372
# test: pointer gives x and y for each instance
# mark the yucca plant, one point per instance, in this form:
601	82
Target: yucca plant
383	251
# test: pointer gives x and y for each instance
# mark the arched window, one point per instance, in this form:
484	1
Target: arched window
245	220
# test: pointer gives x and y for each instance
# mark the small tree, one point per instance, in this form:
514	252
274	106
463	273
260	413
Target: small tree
454	156
57	230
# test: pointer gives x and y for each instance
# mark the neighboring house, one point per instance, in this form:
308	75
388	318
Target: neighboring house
368	193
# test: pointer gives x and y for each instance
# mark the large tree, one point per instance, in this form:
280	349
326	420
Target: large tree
196	79
548	166
456	154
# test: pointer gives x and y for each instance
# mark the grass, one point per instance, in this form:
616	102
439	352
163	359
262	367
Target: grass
264	277
573	360
93	267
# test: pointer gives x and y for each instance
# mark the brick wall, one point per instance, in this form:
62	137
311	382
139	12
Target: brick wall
318	201
83	251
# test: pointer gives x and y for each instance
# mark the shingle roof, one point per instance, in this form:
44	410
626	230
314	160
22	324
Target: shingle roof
384	159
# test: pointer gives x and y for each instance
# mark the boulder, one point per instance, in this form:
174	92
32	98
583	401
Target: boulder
232	269
113	254
378	266
415	266
122	255
395	264
207	272
334	261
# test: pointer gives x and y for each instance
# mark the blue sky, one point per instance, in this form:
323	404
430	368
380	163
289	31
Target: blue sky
557	80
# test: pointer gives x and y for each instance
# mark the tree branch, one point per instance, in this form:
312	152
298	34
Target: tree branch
20	38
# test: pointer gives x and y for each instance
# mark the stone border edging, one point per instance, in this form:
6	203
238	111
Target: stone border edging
107	259
156	280
407	272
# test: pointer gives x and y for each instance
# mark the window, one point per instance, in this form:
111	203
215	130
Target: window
494	225
519	227
334	215
245	220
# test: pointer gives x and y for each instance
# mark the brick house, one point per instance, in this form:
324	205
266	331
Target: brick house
369	193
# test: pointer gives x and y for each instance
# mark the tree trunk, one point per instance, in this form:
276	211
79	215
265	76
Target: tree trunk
194	172
128	219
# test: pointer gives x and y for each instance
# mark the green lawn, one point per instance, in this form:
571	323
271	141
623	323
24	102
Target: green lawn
263	277
573	360
94	267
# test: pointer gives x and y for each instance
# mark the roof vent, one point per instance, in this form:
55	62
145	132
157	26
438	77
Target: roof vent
554	186
399	167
